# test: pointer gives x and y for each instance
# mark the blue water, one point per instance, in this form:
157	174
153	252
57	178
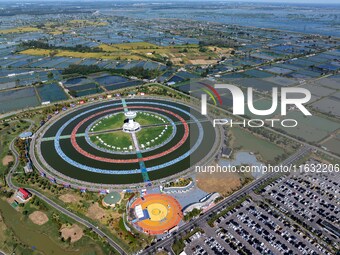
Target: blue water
321	19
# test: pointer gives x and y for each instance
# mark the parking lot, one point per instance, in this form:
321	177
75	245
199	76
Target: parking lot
310	198
254	227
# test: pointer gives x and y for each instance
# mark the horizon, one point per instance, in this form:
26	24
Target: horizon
310	2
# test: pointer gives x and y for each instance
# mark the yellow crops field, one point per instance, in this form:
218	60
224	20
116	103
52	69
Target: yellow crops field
182	54
123	57
146	47
37	52
176	54
133	46
75	54
57	28
19	30
88	22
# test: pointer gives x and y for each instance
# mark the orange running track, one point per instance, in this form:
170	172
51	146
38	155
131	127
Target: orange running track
165	213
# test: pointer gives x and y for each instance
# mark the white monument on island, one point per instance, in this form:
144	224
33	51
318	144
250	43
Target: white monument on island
131	126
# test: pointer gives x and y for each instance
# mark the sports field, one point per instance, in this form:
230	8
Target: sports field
164	213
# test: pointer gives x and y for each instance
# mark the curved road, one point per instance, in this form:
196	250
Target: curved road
55	205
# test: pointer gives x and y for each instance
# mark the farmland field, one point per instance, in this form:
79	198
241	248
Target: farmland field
51	92
178	54
261	104
332	145
312	128
251	143
18	99
19	30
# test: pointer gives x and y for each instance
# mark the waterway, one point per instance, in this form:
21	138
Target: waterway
243	158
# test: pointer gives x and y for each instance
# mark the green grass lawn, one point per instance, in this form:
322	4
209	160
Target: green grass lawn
144	119
124	140
113	122
117	139
147	134
116	121
251	143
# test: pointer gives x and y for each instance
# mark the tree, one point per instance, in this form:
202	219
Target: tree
50	75
169	63
17	82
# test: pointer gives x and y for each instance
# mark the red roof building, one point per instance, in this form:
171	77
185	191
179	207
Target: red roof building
24	194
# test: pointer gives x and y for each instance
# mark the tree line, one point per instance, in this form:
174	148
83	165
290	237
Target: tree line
44	45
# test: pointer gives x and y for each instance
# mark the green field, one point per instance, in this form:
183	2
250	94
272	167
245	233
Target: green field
311	128
117	139
332	145
245	141
144	119
124	140
261	104
113	122
116	121
147	134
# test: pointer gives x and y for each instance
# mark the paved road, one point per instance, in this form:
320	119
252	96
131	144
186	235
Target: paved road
55	205
226	202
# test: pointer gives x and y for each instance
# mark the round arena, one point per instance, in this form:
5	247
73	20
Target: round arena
156	214
122	142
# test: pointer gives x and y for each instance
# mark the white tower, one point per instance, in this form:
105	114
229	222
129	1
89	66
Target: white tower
131	126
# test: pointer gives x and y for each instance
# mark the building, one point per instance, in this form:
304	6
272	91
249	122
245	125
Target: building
204	203
226	152
111	199
28	168
25	135
23	194
155	214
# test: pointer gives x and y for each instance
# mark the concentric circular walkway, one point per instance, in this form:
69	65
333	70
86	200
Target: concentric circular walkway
64	147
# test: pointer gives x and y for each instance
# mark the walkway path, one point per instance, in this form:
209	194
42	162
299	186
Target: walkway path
141	162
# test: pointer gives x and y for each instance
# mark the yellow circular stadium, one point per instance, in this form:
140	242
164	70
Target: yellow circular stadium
157	213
